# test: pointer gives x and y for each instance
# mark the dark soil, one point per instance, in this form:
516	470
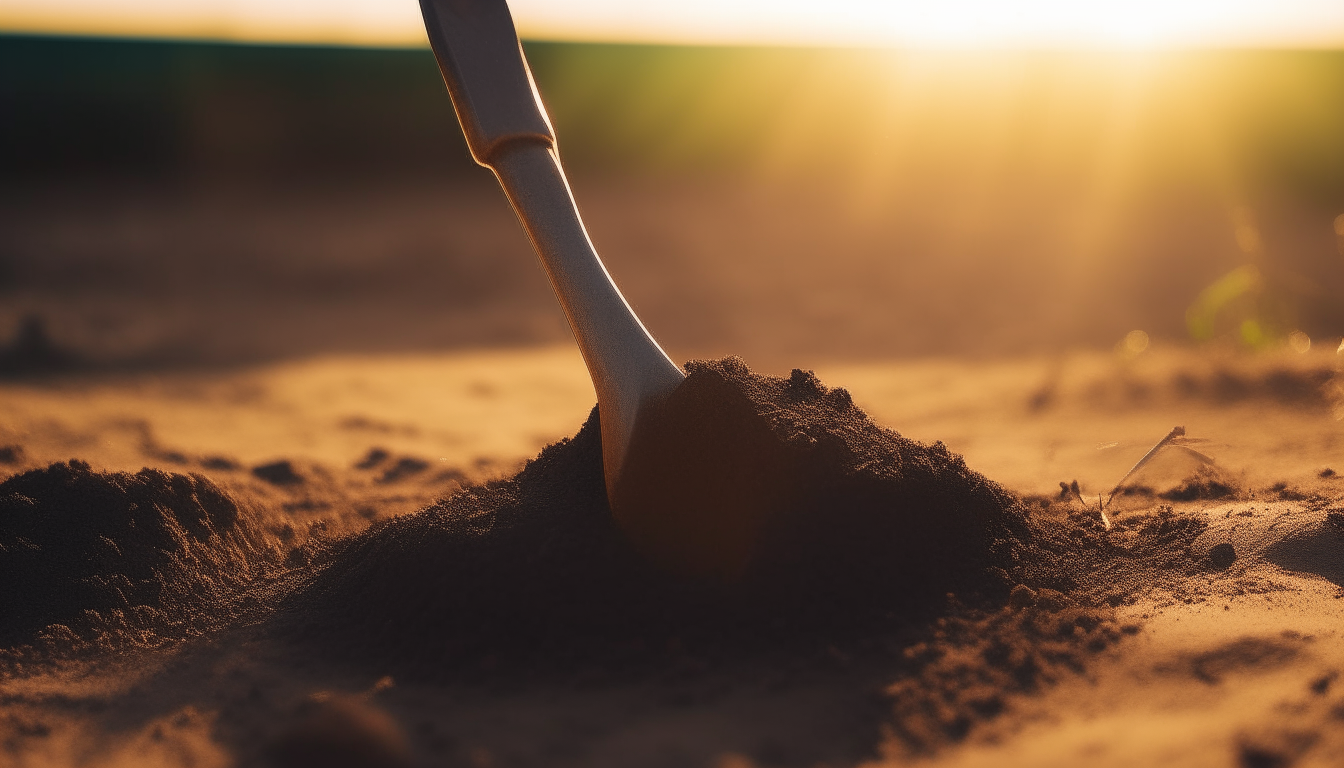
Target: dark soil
1206	483
80	549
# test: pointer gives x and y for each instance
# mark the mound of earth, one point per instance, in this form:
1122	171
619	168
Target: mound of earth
91	550
848	523
787	486
852	529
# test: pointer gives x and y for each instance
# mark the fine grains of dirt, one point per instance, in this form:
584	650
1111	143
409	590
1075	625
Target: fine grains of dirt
970	665
122	556
1205	483
1073	552
973	664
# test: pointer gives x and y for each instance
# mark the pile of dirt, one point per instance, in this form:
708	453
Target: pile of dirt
844	529
841	536
847	525
86	553
788	487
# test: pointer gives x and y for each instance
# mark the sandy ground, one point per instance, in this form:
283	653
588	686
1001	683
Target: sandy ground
1236	667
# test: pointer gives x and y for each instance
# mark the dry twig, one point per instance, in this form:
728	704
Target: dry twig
1175	439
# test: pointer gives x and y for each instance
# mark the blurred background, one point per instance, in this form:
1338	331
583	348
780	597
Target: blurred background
888	181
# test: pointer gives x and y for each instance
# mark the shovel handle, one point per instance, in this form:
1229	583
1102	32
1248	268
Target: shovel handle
491	86
508	132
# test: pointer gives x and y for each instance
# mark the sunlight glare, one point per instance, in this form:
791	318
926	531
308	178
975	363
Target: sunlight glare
952	24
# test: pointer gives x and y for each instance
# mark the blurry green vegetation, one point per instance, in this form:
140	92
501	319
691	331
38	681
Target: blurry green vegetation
1235	120
1234	306
183	109
1232	118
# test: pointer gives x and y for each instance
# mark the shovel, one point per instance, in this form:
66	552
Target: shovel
508	131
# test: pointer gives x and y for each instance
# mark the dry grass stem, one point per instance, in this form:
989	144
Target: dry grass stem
1176	434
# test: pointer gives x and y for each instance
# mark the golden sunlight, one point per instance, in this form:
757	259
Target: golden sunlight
955	24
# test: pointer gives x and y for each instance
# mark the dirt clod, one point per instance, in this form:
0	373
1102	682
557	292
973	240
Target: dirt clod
1221	556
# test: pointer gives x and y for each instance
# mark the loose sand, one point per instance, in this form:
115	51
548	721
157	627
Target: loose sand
269	593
